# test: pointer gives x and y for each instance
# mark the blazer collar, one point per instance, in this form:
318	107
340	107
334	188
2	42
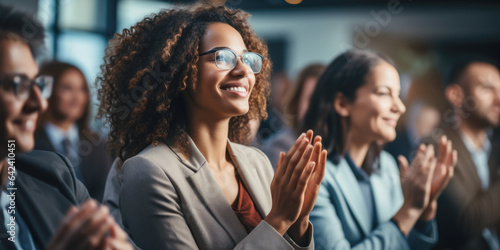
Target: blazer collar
352	193
249	175
207	187
195	161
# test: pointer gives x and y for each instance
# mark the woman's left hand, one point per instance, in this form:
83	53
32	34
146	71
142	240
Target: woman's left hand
447	159
318	156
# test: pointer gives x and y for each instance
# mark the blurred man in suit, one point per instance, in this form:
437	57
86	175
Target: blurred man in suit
469	209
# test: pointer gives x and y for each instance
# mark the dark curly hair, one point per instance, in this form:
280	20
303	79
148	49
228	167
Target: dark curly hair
147	67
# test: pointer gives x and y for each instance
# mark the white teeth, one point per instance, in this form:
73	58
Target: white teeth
237	89
29	124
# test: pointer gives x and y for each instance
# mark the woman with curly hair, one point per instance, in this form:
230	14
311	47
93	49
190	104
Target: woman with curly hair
179	89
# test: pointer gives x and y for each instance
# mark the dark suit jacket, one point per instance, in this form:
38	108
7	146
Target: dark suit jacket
46	188
95	162
464	208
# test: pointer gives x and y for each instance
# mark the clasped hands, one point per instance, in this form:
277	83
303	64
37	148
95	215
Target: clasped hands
423	182
295	186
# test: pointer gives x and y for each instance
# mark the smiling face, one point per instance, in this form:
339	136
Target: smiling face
70	97
18	118
374	113
221	93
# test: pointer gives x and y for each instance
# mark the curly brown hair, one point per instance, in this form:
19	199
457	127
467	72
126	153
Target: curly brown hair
147	67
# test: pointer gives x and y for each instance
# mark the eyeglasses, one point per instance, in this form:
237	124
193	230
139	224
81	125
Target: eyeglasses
22	86
226	59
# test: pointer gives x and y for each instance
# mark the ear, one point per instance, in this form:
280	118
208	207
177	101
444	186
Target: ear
454	94
341	105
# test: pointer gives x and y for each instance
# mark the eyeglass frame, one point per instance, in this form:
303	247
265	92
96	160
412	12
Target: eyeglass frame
37	81
215	50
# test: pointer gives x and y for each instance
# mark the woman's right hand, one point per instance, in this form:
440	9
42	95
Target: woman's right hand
416	182
289	183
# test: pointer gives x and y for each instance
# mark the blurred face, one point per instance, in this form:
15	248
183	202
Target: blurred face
18	118
307	92
481	83
374	113
221	93
69	98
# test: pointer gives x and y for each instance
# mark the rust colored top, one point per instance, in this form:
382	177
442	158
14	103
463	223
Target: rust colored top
244	208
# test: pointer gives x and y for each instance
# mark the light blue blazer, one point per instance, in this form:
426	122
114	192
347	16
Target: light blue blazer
341	219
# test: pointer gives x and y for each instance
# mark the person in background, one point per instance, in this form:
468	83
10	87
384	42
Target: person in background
296	104
420	122
64	128
364	201
43	205
280	84
469	209
187	182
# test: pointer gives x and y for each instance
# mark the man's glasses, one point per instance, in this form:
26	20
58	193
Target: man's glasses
22	86
226	59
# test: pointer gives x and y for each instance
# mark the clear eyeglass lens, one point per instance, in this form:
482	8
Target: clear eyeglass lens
45	85
22	87
254	61
225	59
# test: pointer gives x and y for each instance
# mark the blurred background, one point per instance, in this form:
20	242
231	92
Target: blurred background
421	36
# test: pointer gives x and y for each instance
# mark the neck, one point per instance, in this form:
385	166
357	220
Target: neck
63	124
210	137
475	133
357	149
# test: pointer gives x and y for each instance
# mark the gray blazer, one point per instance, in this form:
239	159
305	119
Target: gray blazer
170	202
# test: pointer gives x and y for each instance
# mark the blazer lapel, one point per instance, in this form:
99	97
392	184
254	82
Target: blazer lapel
384	196
352	194
493	161
260	192
207	187
465	162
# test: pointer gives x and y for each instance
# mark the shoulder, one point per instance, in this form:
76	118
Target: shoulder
151	157
332	170
49	163
154	163
387	161
51	169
